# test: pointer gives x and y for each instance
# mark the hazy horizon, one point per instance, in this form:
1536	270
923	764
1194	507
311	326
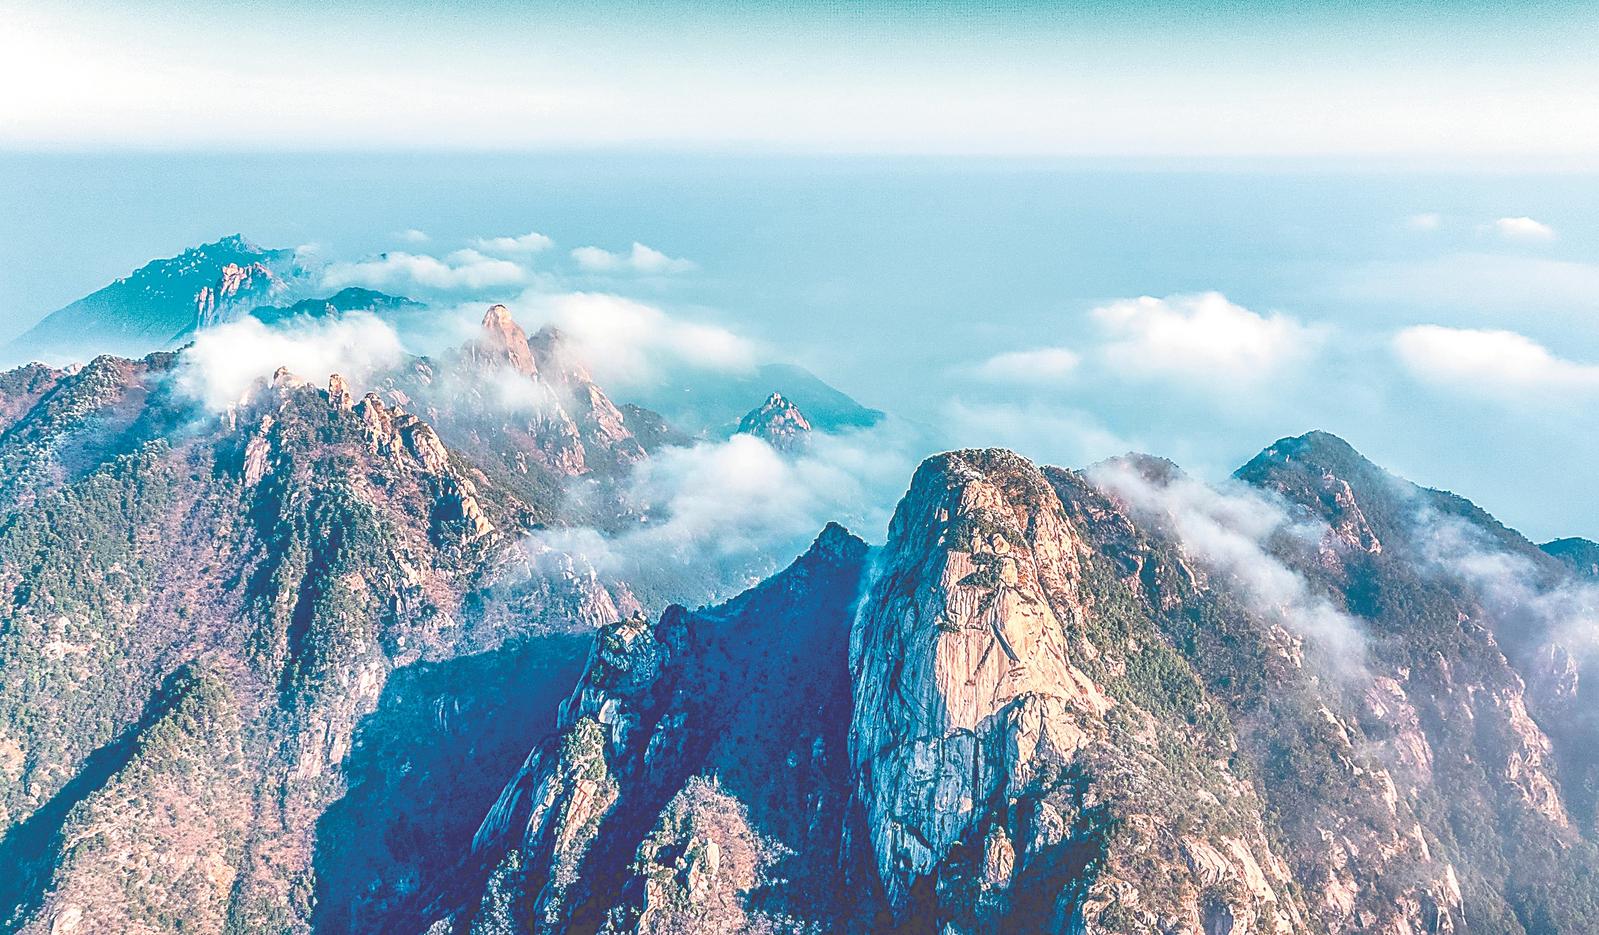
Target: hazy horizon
1002	270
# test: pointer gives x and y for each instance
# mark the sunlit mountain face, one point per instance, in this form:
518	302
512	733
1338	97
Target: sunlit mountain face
412	649
942	469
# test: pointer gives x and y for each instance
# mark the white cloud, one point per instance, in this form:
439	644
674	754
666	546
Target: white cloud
1524	229
1426	221
1042	365
1228	531
222	364
1200	337
640	259
461	270
412	235
626	343
531	242
725	514
1483	362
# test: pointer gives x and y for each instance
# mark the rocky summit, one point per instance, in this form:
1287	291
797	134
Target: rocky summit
1063	716
779	423
348	654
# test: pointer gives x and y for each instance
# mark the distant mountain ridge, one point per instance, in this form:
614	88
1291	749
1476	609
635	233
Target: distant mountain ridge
162	302
349	299
715	405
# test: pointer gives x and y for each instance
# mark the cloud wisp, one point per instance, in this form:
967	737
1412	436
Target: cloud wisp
1522	229
626	343
462	270
1230	531
638	259
521	244
1527	604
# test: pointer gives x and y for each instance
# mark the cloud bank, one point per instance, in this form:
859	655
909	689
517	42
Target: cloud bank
719	516
1044	366
224	362
1200	337
462	270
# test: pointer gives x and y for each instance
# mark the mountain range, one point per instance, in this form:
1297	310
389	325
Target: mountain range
160	304
314	661
163	304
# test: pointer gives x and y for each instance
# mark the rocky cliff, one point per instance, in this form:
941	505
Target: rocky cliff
527	412
1112	701
698	772
217	620
294	666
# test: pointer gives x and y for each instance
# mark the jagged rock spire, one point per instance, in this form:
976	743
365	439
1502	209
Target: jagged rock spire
502	339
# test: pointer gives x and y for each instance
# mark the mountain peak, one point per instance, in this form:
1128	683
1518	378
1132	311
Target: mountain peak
235	242
1316	455
504	339
1323	448
1150	467
162	302
778	422
834	541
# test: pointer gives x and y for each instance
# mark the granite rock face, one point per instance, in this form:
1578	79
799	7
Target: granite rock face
990	735
698	774
963	686
1067	712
